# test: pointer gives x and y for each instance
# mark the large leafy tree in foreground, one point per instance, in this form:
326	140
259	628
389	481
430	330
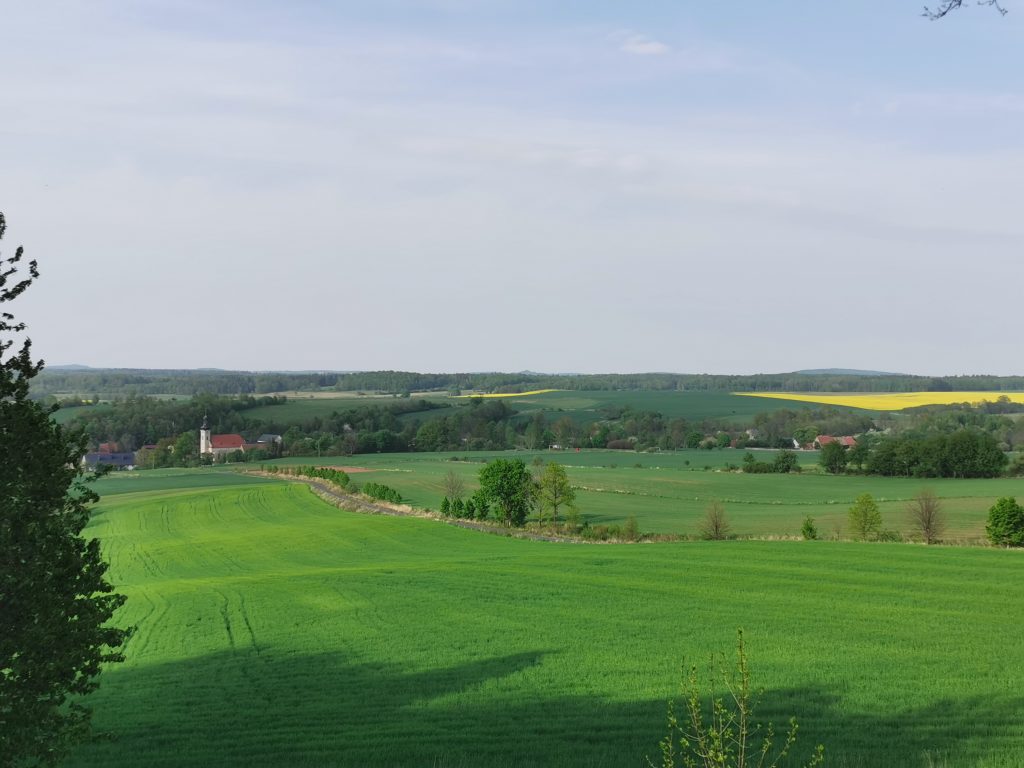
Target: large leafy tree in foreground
55	601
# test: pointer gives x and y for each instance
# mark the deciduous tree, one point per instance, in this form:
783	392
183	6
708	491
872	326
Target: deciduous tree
554	491
926	516
55	600
507	484
865	519
1005	525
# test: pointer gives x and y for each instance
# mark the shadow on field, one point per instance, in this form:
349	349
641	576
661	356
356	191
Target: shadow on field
259	709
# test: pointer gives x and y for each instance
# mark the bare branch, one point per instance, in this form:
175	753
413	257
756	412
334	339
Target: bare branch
951	5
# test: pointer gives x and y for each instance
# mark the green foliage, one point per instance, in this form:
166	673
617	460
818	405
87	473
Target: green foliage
337	476
382	492
834	458
470	509
724	731
809	530
508	485
631	529
964	453
554	491
55	599
865	518
458	508
785	461
1005	525
446	507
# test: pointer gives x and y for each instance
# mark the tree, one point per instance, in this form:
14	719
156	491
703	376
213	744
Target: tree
865	519
946	6
926	517
446	507
716	526
507	483
454	486
554	491
55	601
1005	525
833	458
809	530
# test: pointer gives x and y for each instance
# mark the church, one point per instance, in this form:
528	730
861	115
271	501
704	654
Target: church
219	445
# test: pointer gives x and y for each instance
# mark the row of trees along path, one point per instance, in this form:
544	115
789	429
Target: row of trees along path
339	497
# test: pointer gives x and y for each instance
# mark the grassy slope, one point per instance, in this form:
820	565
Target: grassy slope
274	629
668	496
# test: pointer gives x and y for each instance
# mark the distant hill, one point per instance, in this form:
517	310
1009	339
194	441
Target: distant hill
843	372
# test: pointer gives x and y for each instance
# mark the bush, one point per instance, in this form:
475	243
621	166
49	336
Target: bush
382	492
1005	525
631	530
725	733
715	527
809	530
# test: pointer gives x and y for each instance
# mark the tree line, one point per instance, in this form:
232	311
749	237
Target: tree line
108	383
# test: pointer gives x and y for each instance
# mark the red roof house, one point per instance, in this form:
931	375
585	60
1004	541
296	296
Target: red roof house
227	442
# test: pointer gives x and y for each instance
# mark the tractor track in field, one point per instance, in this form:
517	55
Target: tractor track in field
333	495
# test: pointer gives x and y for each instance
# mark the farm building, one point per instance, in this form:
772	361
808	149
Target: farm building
847	441
116	459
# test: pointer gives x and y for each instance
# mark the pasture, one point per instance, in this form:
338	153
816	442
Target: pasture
669	492
274	629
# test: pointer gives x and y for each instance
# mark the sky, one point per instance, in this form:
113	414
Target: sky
478	185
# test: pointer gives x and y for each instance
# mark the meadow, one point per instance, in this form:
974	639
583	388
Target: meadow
274	629
669	492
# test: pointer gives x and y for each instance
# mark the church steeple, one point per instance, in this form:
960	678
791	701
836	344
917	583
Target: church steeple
205	443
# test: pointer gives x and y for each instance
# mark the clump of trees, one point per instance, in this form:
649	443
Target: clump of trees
964	453
783	463
337	476
381	492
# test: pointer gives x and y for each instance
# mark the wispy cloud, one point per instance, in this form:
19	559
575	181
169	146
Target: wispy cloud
642	45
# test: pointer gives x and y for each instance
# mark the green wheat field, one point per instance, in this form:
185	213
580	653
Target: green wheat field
274	629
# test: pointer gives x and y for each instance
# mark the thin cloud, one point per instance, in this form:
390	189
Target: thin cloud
641	45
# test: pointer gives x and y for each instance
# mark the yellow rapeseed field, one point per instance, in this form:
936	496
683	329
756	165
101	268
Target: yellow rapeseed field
890	401
516	394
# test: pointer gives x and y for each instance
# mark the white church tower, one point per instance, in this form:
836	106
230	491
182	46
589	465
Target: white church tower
205	444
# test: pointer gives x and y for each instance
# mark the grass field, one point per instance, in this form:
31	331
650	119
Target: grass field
891	401
669	492
274	629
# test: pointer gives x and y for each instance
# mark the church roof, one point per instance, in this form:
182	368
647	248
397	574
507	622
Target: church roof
227	441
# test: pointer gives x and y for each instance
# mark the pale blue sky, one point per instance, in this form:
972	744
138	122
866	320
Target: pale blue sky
508	184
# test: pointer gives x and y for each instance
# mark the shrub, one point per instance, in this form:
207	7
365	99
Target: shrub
631	530
809	530
1005	525
725	732
716	526
382	492
446	507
